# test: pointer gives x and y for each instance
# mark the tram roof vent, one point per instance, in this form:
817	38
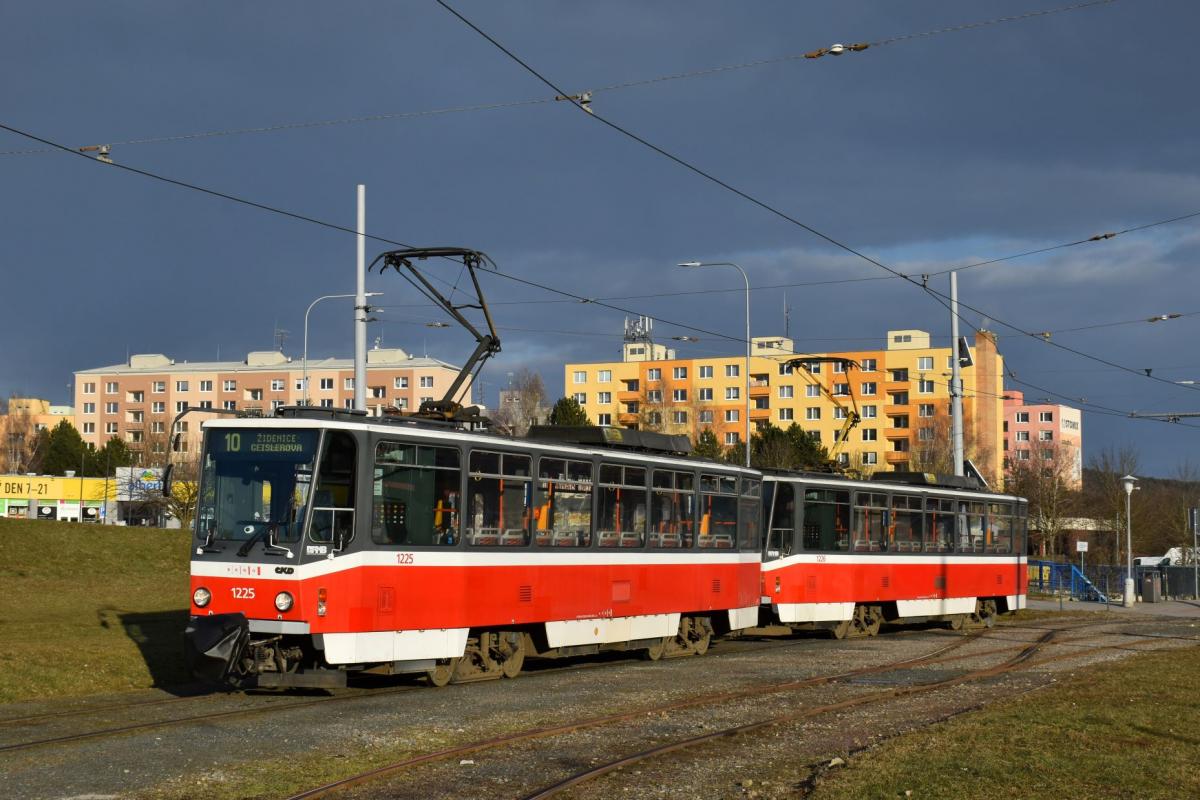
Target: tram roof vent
928	479
606	436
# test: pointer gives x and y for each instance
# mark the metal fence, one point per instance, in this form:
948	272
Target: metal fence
1109	580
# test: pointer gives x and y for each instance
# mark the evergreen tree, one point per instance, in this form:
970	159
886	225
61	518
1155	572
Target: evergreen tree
567	411
64	450
115	453
707	445
810	454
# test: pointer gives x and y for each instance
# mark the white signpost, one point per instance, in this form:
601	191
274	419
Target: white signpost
1081	548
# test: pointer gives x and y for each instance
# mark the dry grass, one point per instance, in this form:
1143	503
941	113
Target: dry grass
1124	730
87	608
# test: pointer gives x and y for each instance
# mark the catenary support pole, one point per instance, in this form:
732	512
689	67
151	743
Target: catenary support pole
360	306
956	418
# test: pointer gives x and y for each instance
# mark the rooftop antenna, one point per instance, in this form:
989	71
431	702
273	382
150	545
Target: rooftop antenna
787	317
280	336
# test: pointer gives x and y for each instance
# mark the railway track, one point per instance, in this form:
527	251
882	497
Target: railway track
938	656
279	703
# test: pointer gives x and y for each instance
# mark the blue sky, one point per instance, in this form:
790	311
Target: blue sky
924	154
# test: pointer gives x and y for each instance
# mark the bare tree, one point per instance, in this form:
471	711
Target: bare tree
1047	480
933	450
523	404
19	438
1104	494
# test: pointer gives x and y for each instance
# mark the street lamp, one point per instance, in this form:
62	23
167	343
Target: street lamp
685	338
304	381
1128	482
747	280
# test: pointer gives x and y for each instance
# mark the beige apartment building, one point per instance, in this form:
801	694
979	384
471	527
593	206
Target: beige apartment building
901	392
138	400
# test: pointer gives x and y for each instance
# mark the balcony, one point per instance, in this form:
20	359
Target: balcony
894	458
627	418
629	396
760	413
760	388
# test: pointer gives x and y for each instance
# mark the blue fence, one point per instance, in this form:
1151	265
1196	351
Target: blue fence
1101	581
1056	577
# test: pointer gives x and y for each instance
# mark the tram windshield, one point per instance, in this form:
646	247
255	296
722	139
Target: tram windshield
254	483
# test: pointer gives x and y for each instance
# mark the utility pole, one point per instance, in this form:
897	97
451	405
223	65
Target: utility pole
360	307
956	420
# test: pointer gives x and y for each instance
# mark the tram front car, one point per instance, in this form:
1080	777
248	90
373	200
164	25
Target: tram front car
275	495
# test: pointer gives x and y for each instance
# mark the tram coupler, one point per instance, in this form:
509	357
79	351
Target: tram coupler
213	644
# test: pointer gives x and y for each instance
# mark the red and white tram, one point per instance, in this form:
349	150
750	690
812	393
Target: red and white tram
330	542
848	555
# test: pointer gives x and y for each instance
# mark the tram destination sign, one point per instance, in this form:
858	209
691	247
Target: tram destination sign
267	445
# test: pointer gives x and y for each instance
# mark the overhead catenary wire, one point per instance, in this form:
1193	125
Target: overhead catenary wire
696	73
770	208
374	237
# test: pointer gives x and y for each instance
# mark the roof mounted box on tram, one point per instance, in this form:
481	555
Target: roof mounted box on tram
604	436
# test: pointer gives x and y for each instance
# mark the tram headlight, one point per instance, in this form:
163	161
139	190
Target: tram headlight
283	601
201	597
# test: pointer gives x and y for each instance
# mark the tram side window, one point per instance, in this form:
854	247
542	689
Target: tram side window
499	499
826	520
749	515
908	523
941	525
782	503
621	506
564	518
1000	528
672	509
416	495
870	521
1021	530
333	499
971	532
718	511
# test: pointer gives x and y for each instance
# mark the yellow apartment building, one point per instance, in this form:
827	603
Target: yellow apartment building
900	391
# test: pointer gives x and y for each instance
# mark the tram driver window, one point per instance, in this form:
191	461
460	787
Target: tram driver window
416	495
333	498
499	499
782	503
826	520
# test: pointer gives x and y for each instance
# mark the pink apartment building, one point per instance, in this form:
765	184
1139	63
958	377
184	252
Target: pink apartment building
138	400
1041	431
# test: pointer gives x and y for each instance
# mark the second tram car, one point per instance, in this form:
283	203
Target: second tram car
847	555
328	542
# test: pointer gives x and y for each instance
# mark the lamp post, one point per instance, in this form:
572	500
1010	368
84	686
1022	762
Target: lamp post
1128	482
747	388
304	380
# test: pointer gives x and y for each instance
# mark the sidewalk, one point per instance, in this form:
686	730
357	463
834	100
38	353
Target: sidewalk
1167	608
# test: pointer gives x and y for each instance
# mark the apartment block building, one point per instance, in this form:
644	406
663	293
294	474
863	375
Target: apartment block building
1043	432
901	392
138	400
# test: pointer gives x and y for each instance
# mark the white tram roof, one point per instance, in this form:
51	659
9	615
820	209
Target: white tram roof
460	436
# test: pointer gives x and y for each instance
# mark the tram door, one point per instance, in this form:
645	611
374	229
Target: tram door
779	501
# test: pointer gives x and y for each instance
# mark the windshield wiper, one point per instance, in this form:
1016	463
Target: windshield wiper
244	550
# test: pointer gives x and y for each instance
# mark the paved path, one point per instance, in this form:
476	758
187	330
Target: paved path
1169	608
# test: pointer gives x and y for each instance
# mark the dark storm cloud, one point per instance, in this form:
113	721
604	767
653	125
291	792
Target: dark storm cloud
924	154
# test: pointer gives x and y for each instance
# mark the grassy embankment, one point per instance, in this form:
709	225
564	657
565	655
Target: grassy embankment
1125	729
88	608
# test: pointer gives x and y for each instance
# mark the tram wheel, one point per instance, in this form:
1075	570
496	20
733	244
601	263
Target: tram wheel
701	635
956	622
840	630
441	674
655	651
514	655
873	620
